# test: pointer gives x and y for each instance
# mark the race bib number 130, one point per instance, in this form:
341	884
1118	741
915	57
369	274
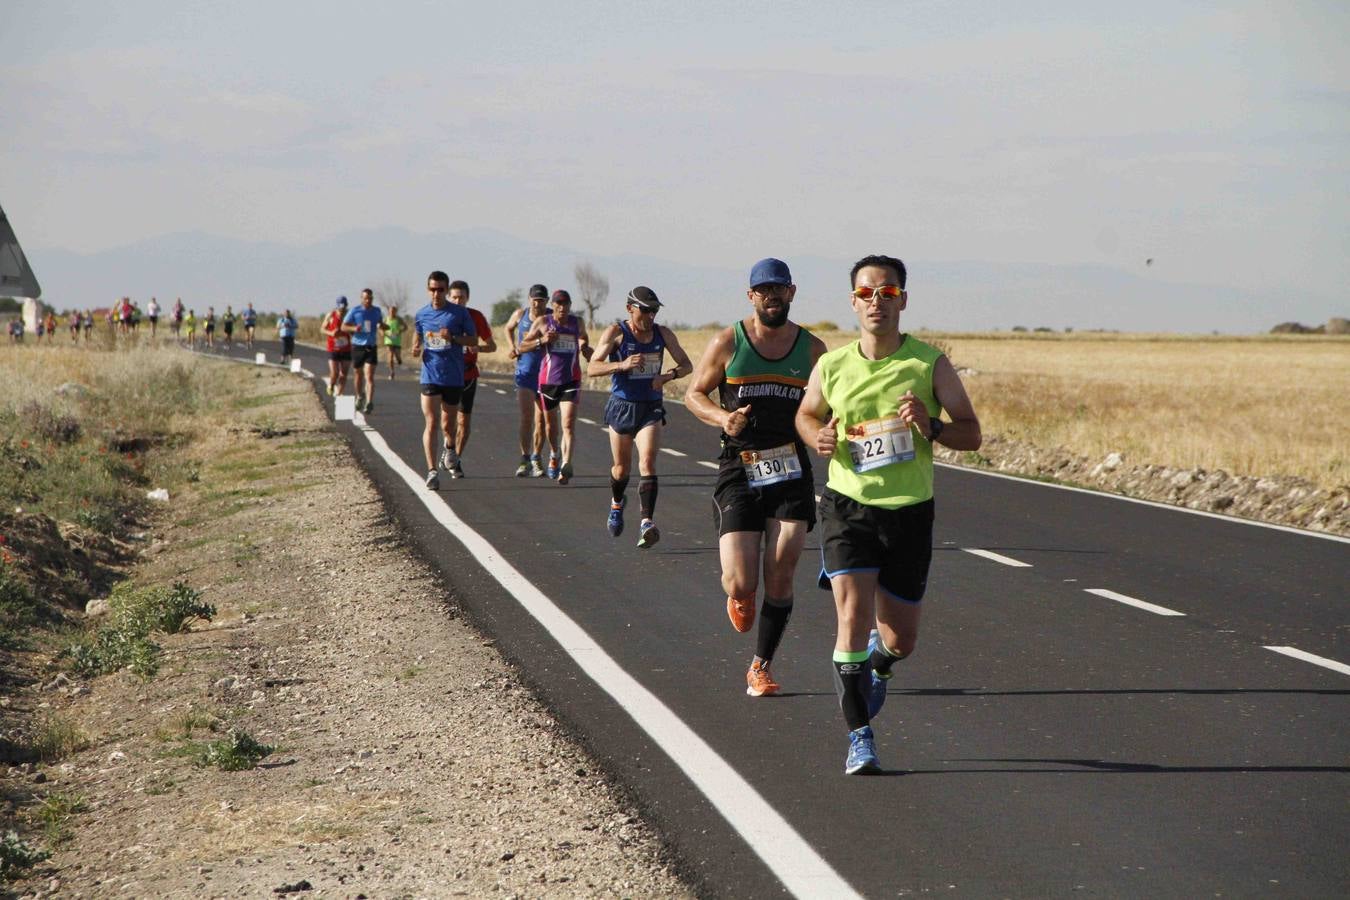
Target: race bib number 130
766	467
880	442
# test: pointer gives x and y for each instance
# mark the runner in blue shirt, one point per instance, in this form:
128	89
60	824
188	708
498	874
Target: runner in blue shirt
441	331
363	324
250	317
286	328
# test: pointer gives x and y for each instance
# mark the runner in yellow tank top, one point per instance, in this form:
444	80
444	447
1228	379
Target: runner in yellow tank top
873	410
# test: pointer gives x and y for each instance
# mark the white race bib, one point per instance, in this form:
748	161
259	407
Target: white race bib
340	341
766	467
650	368
564	343
879	442
436	342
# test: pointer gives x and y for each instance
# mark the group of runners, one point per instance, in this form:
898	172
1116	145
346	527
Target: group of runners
184	324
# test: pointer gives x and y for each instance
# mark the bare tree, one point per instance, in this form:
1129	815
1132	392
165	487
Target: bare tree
593	289
391	292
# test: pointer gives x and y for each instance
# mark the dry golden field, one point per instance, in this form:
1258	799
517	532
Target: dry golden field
1266	405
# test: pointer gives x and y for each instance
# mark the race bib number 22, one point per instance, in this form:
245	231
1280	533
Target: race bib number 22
879	442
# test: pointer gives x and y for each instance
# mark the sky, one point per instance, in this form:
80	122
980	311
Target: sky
1213	139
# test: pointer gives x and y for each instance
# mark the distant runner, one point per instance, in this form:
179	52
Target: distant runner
393	328
459	295
190	328
363	324
152	313
250	318
208	326
227	326
441	331
177	320
339	347
528	360
764	502
286	328
565	342
631	353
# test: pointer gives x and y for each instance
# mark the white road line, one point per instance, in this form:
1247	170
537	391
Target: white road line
673	452
997	557
1131	601
1315	660
500	391
767	833
708	465
583	419
1183	509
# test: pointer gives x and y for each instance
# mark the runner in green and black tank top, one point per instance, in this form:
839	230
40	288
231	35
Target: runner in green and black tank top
393	327
764	502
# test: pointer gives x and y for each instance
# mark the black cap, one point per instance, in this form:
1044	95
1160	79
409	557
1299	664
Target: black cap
644	297
538	291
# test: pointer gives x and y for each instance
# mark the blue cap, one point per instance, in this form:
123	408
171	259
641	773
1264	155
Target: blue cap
770	271
341	301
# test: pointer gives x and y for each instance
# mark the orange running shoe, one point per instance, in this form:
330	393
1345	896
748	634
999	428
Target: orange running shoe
758	681
741	613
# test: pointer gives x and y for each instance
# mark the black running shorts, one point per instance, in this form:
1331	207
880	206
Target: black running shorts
466	397
365	356
340	355
739	507
897	543
552	394
449	395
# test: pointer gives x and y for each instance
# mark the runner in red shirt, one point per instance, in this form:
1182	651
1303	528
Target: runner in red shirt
339	347
459	294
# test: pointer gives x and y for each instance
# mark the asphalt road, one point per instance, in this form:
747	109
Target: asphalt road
1043	740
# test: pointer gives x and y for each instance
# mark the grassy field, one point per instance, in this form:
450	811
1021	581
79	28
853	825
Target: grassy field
1267	405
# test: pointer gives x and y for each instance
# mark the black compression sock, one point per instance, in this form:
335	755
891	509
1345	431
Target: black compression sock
852	675
883	659
617	488
773	620
647	495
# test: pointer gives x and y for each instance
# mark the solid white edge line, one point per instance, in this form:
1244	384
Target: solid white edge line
673	452
997	557
790	858
1314	659
1185	509
1133	601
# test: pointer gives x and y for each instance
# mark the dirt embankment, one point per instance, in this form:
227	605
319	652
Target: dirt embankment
406	757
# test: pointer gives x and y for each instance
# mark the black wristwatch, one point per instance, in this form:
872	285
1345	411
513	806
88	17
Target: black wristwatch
935	427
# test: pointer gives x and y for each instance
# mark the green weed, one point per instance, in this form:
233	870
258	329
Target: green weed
136	613
56	737
17	856
54	814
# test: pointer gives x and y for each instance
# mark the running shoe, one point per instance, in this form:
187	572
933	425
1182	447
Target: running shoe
447	458
433	480
523	469
876	695
616	517
332	390
553	468
456	470
758	681
360	404
370	407
741	613
862	753
565	473
536	470
648	534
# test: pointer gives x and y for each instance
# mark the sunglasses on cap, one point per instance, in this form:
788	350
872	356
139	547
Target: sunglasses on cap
888	291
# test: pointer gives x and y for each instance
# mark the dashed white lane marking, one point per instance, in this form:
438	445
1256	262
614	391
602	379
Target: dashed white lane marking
1314	659
500	391
802	871
997	557
584	420
673	452
708	465
1132	601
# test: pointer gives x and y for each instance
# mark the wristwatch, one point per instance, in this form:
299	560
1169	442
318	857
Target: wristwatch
935	427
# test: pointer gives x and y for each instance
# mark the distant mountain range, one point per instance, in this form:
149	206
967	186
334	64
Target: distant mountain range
962	295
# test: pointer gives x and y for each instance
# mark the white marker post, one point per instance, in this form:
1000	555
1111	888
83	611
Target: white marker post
344	408
295	366
260	358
